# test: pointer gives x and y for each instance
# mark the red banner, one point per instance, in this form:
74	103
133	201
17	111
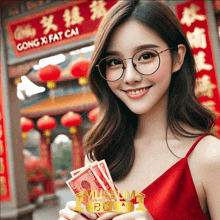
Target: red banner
63	24
4	173
193	18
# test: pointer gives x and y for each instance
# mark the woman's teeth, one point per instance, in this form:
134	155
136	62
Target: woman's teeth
136	92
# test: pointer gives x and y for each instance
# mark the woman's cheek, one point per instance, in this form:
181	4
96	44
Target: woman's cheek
113	85
163	73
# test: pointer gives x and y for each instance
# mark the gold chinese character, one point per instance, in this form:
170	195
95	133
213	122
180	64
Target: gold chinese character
197	38
204	87
72	17
0	131
2	166
98	9
43	146
44	153
1	148
48	24
3	186
190	15
210	105
200	62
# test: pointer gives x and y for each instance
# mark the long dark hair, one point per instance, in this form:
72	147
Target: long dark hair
112	136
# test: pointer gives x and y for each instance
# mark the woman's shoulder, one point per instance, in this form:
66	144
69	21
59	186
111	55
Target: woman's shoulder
209	156
206	153
210	148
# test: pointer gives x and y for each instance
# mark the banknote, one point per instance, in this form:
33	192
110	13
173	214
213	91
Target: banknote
93	178
103	166
102	176
74	172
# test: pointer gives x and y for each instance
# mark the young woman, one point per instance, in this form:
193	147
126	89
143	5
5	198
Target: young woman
153	133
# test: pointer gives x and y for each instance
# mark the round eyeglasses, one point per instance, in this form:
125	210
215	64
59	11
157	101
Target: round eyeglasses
146	62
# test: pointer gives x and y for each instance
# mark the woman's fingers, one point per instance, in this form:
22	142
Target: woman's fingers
69	213
108	216
72	205
135	215
62	218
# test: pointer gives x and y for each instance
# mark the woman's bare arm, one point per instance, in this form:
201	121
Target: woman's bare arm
211	176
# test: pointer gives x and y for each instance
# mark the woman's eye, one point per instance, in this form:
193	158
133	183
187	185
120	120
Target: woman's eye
146	56
113	62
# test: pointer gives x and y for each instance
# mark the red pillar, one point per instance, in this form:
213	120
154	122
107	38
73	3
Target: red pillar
45	153
78	156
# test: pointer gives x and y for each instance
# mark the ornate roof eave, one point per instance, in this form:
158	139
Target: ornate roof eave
61	105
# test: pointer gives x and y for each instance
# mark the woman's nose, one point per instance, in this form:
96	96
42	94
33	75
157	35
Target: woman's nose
131	75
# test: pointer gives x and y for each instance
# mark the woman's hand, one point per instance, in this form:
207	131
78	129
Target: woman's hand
68	214
135	215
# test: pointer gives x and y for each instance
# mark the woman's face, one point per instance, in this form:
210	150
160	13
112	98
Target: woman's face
126	40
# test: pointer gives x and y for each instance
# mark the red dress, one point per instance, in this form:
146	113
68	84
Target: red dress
172	196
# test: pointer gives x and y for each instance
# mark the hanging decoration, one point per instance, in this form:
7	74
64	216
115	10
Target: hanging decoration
26	125
93	114
50	74
72	120
79	68
46	124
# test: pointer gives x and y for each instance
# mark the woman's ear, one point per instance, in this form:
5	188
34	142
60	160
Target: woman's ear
179	58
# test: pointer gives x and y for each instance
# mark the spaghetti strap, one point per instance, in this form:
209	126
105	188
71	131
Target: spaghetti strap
194	145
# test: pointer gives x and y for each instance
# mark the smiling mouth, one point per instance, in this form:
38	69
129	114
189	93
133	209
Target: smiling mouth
138	91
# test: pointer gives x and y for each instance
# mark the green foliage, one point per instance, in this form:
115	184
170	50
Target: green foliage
62	158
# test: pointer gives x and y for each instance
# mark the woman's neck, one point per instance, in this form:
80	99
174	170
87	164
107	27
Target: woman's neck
152	125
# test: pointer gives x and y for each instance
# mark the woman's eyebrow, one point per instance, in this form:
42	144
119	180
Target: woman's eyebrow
140	47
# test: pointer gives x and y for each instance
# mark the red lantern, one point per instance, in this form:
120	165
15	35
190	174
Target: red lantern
46	124
80	68
26	126
72	120
50	74
93	114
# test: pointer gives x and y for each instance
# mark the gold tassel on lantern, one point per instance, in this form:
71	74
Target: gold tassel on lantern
47	133
51	85
83	81
73	131
24	136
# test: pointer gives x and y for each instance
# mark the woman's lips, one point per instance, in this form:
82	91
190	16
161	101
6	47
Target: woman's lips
139	95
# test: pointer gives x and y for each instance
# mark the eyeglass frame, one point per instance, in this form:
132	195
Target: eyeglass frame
134	64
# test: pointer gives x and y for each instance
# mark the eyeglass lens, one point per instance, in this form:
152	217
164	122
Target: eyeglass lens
145	62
